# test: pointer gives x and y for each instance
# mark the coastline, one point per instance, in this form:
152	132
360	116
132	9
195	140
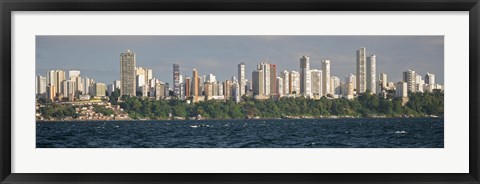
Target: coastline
215	119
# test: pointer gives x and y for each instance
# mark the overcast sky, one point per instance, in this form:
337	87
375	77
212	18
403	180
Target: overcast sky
98	57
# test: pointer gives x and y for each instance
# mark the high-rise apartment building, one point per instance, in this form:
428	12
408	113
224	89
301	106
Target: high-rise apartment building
279	86
294	82
286	82
410	77
176	80
401	89
127	73
273	79
258	82
317	75
335	86
351	79
265	68
41	85
195	85
55	78
188	86
100	89
326	86
241	78
361	70
371	74
305	81
430	78
383	81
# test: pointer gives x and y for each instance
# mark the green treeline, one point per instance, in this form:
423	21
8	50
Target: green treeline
419	104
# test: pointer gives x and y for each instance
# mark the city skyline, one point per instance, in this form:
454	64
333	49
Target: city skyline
59	52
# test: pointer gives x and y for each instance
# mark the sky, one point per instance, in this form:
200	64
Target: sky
98	57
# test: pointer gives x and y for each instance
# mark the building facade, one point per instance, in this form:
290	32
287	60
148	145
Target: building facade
127	73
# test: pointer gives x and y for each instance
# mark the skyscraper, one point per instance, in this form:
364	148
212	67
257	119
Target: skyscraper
430	78
317	81
127	73
188	86
305	82
279	86
361	70
326	86
286	84
176	80
383	81
241	78
294	82
195	85
258	82
273	79
55	78
371	74
410	78
351	79
41	85
265	68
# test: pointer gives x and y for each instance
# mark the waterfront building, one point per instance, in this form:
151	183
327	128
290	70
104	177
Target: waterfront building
195	85
228	89
351	79
159	91
317	81
86	85
279	86
220	89
305	81
335	86
100	89
371	74
294	82
140	81
208	90
258	82
187	87
117	84
110	89
430	78
401	89
241	78
127	73
51	92
383	81
70	92
266	78
176	80
78	85
59	79
236	91
419	84
286	82
361	70
410	77
40	85
273	79
327	86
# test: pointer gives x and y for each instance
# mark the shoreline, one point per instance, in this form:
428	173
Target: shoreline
177	120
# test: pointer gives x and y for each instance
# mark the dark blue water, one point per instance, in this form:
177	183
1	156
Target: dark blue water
315	133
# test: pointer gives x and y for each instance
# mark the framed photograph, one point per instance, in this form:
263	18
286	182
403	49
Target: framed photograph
239	92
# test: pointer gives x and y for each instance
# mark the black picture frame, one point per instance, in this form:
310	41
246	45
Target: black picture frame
7	6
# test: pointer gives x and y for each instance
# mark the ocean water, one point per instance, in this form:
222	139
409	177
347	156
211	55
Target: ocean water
278	133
